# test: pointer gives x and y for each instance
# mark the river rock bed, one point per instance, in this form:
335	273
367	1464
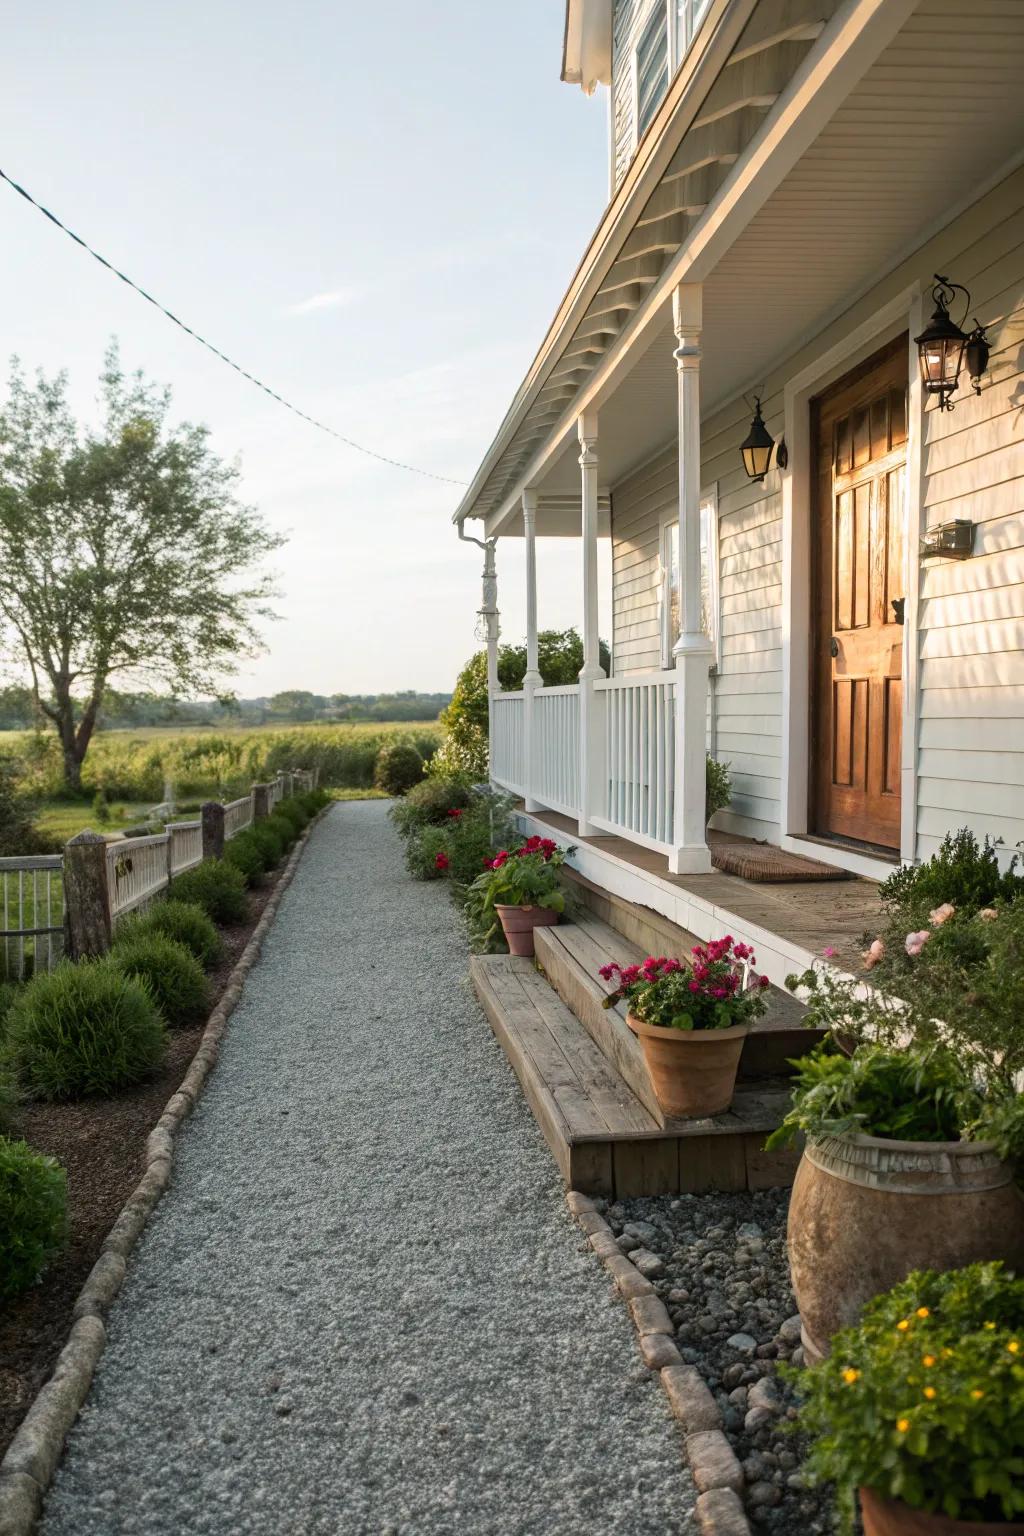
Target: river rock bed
718	1261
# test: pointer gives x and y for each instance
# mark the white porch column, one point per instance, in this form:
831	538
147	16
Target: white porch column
532	680
692	651
489	617
592	765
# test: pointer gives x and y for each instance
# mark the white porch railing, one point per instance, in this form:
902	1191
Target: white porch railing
636	724
639	733
508	740
555	770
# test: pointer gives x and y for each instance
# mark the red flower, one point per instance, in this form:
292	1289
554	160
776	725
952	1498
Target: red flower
441	861
456	813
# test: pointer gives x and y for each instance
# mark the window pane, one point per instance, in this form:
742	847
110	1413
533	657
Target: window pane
651	67
689	15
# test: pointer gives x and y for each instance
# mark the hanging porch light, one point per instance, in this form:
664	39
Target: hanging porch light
943	343
756	448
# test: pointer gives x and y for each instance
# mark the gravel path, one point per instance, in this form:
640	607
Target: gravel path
362	1307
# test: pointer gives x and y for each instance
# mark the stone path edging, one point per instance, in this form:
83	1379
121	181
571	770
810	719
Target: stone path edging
27	1469
716	1472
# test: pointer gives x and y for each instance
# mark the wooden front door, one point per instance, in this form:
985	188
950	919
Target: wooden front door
859	434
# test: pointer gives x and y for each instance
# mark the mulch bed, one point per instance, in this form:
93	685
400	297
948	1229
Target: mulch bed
101	1143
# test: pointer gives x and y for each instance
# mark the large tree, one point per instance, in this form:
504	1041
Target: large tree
125	554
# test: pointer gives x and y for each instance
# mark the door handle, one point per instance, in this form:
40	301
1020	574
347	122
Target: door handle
897	608
833	647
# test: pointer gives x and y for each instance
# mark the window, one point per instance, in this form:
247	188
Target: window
650	66
687	16
708	578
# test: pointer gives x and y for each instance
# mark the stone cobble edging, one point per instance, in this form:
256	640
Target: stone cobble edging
714	1467
32	1456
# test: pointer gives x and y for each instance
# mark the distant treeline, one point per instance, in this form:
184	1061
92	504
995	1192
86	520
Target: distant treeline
126	711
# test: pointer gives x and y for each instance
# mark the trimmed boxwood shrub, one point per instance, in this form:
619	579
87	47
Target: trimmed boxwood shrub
292	811
176	980
314	800
272	840
286	826
184	922
33	1214
247	856
84	1029
215	886
398	767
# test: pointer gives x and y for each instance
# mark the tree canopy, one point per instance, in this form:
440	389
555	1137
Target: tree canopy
125	553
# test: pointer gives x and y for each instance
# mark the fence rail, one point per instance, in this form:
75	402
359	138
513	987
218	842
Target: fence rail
238	815
137	870
186	845
32	909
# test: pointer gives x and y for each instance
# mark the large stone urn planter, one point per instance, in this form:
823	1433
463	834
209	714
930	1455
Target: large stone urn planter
866	1211
889	1517
692	1071
518	924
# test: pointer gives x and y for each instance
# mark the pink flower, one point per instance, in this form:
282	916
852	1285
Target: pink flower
917	941
764	981
988	914
873	954
441	861
829	951
941	914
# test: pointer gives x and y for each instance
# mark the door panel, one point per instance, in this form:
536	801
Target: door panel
858	522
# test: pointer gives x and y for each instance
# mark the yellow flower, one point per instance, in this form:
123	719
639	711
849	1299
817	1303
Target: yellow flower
928	1360
990	1326
923	1312
903	1325
977	1392
947	1353
1013	1347
902	1425
929	1393
850	1375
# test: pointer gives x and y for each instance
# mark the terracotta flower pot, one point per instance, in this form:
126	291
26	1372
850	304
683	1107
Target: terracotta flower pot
692	1071
865	1211
889	1517
519	923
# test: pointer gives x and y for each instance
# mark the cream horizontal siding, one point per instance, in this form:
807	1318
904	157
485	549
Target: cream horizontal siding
640	505
630	19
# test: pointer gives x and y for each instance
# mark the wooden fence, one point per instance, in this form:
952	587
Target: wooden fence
52	904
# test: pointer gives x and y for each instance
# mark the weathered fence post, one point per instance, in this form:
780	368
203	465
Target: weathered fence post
213	829
260	802
86	896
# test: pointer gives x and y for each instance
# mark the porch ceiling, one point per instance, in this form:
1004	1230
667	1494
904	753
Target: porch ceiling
937	119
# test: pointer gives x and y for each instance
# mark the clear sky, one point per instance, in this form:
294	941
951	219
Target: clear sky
376	208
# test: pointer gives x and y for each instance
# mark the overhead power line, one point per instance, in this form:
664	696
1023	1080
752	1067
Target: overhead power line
321	426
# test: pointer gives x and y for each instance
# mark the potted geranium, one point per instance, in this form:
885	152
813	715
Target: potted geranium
920	1408
906	1166
691	1020
520	886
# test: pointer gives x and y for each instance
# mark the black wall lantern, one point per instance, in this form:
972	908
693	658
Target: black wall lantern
942	345
757	446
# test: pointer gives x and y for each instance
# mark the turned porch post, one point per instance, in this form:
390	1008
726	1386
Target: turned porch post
592	767
692	652
489	616
532	680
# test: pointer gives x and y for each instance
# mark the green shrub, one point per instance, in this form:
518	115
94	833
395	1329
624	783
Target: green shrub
285	825
183	921
717	787
923	1400
175	978
293	810
216	887
245	854
8	993
430	803
33	1214
84	1029
398	767
426	854
269	836
963	874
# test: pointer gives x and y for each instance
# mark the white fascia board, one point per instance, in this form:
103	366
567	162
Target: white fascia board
719	34
857	34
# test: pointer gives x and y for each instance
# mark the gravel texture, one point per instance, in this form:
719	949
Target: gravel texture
363	1306
718	1261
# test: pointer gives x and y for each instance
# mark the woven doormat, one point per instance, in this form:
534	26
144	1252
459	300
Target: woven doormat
763	863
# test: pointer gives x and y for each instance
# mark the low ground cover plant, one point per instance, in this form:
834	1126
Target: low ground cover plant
923	1401
173	976
183	921
83	1029
33	1214
716	988
215	886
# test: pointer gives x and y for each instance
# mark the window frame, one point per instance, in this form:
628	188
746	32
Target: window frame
664	8
708	500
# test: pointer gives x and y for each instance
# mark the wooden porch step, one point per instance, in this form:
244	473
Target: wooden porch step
573	953
604	1140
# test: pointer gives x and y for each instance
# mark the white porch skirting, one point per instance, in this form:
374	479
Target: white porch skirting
635	793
